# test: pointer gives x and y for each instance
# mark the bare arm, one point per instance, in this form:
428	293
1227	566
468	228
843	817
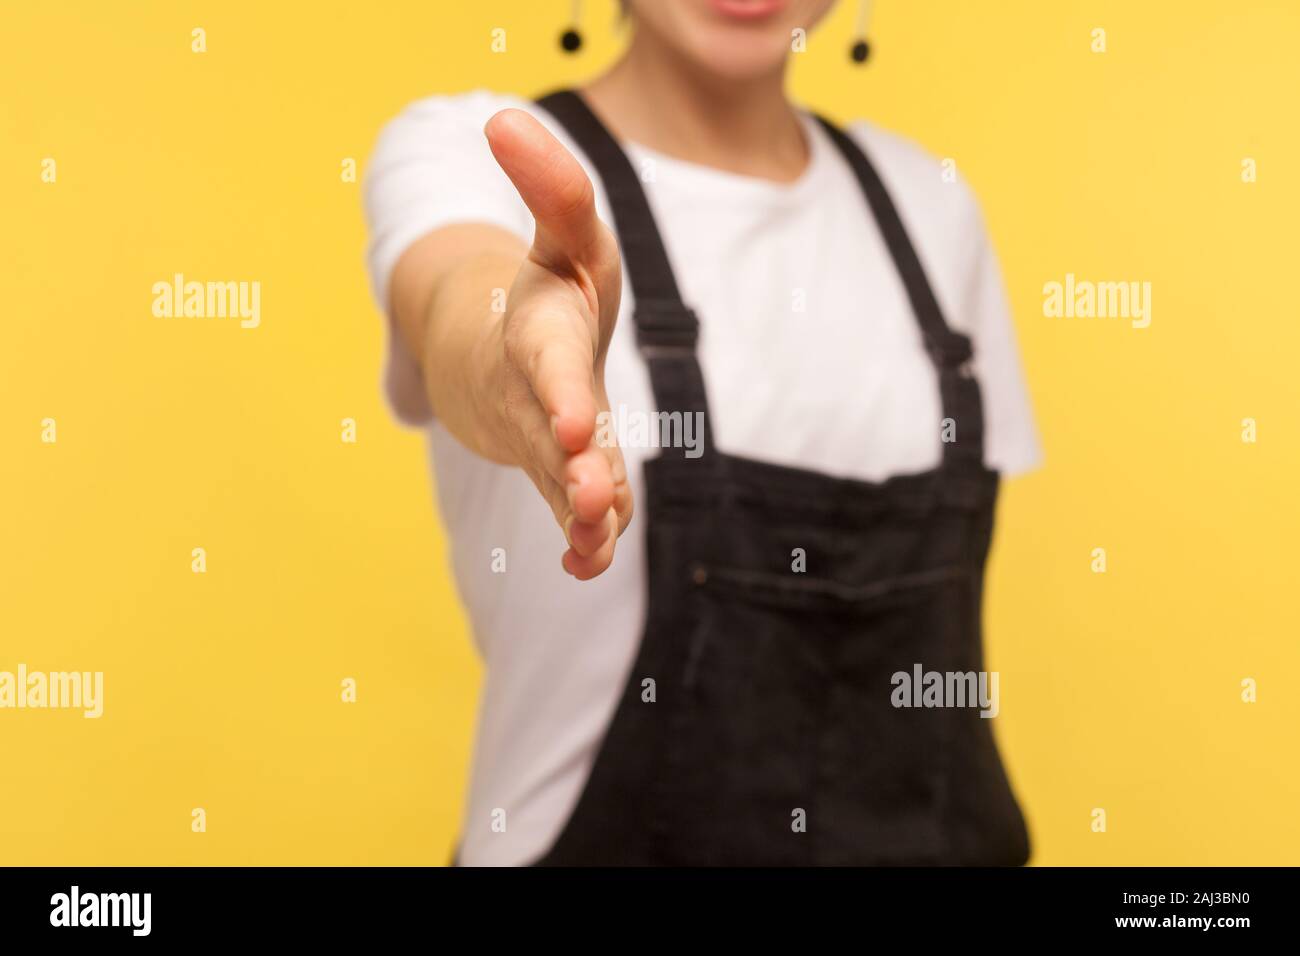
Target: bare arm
523	387
442	296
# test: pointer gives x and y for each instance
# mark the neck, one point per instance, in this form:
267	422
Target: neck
655	97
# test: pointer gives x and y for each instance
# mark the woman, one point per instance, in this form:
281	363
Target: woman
713	680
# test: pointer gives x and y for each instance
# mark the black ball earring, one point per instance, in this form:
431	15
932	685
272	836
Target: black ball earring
861	49
571	39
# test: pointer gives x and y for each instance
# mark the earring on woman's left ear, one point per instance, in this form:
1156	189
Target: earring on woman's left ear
861	49
571	39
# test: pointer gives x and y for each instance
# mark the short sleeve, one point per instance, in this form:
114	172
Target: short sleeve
430	168
1010	436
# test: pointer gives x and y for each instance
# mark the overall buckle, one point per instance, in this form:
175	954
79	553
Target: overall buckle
952	352
665	328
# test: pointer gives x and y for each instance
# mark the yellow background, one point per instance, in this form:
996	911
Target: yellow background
325	560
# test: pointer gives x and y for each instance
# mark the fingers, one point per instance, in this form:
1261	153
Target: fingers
586	567
594	478
617	466
622	490
588	495
583	538
588	482
555	354
551	182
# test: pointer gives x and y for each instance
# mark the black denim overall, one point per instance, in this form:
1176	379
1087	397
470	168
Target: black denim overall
768	735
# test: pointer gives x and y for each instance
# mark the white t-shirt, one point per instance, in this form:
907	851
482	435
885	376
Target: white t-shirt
812	358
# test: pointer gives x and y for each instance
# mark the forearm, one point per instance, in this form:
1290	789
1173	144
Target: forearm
447	298
462	352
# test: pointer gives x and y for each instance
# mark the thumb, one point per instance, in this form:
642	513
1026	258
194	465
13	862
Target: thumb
551	182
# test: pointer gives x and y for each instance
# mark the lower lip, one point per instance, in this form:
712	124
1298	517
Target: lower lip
747	9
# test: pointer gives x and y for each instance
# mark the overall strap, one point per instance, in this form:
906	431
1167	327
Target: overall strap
666	329
949	351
